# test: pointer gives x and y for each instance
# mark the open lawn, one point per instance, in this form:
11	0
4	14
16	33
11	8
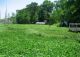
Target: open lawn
38	41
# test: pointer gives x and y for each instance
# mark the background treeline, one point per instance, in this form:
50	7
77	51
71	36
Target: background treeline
34	12
61	11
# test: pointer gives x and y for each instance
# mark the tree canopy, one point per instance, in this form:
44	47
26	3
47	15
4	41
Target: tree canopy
34	12
54	12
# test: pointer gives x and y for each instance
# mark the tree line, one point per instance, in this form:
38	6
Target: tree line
61	11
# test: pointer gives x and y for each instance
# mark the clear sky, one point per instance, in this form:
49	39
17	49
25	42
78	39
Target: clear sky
13	5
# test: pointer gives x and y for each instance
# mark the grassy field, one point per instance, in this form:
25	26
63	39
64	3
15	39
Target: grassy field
38	41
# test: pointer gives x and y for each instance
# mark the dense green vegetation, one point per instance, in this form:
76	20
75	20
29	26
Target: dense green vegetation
68	10
32	40
38	41
60	11
33	12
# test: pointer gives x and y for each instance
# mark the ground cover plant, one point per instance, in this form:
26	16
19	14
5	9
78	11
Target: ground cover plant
38	41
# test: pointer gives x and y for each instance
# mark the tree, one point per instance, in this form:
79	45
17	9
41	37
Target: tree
33	10
28	14
75	10
45	10
20	17
71	10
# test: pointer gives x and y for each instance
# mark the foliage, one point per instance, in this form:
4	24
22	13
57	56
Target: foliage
33	12
33	9
38	41
60	11
66	11
46	10
22	16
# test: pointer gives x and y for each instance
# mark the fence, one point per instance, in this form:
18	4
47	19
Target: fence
74	27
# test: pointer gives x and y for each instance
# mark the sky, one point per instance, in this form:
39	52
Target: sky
13	5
